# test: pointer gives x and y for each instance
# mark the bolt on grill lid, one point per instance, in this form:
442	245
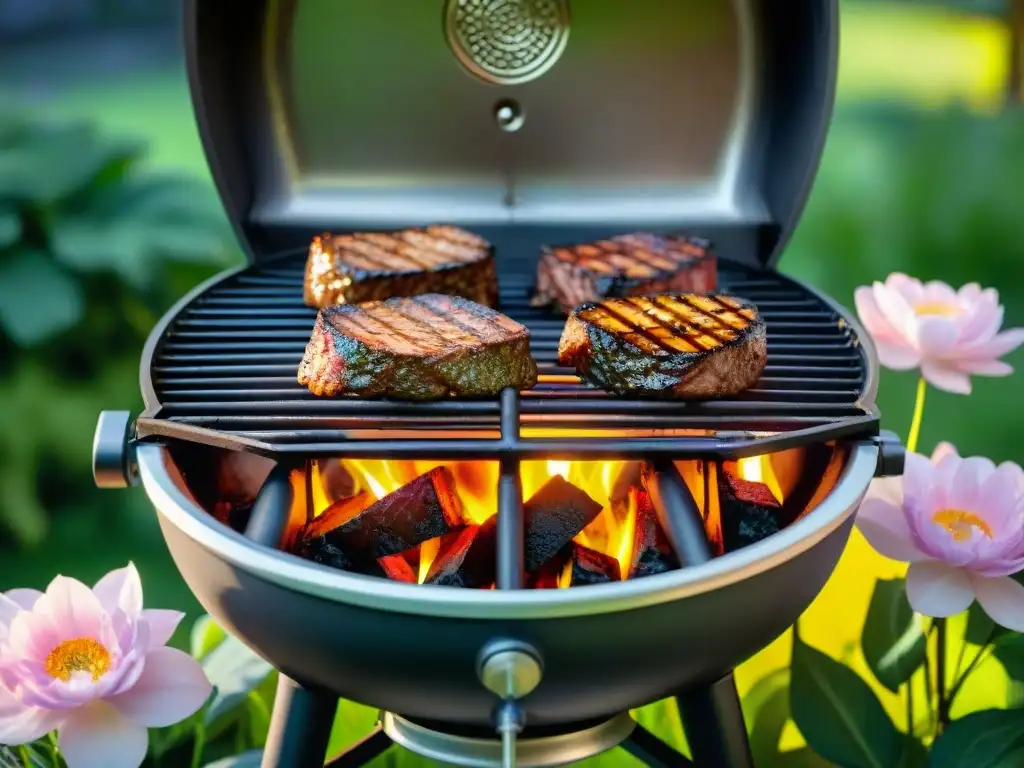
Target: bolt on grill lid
517	118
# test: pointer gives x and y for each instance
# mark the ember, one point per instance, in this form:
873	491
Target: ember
584	522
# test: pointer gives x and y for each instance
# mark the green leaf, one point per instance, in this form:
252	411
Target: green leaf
131	227
54	162
250	759
993	738
10	226
980	628
838	714
37	298
1009	650
207	634
892	640
235	671
766	708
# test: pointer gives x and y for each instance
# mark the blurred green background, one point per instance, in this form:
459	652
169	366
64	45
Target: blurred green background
107	216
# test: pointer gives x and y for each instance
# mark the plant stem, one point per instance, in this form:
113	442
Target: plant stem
910	710
979	657
915	422
940	674
198	745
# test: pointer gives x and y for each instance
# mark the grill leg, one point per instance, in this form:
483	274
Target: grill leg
300	727
362	752
652	751
714	726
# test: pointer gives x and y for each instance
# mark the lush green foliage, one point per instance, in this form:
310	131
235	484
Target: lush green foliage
91	251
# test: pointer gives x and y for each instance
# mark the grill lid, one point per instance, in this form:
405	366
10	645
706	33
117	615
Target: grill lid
707	115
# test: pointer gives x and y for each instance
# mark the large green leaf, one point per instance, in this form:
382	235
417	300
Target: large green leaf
993	738
892	639
838	714
56	162
130	228
37	298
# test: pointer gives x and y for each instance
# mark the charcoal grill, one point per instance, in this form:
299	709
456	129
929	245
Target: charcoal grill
529	122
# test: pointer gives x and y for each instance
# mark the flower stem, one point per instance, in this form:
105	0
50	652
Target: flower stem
199	744
915	422
940	674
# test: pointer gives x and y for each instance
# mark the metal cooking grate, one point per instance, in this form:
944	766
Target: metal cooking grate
222	372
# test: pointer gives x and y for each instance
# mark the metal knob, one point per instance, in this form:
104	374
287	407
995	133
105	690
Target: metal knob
113	463
510	670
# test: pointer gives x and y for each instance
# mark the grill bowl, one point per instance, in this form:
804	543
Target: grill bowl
412	649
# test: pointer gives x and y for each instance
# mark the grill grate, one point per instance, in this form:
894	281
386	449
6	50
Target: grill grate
222	372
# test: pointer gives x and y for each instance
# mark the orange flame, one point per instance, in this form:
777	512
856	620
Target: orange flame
608	483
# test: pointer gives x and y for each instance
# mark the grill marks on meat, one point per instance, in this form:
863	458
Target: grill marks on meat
637	264
416	348
673	346
372	266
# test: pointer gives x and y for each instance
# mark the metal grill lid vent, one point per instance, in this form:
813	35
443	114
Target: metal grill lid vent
523	115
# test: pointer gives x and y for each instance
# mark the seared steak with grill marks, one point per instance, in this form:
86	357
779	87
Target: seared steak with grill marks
416	348
674	346
371	266
628	265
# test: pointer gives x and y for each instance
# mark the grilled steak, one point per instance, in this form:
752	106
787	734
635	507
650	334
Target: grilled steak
416	348
674	346
628	265
371	266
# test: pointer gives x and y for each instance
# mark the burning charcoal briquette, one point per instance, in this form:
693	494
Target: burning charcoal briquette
553	516
652	552
750	512
465	558
592	567
549	574
398	568
422	509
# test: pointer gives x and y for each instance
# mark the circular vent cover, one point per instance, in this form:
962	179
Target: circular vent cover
507	41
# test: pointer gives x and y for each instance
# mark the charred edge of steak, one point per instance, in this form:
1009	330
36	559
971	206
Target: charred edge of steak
568	276
440	345
366	266
612	352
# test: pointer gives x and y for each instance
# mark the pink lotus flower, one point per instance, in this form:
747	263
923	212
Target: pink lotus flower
92	664
960	525
950	335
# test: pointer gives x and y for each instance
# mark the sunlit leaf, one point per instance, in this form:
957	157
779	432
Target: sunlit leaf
993	738
235	671
892	640
207	634
37	298
838	714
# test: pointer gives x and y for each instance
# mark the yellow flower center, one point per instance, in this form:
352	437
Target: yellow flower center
937	308
960	523
83	654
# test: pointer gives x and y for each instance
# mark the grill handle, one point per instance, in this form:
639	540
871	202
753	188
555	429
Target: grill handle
113	458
